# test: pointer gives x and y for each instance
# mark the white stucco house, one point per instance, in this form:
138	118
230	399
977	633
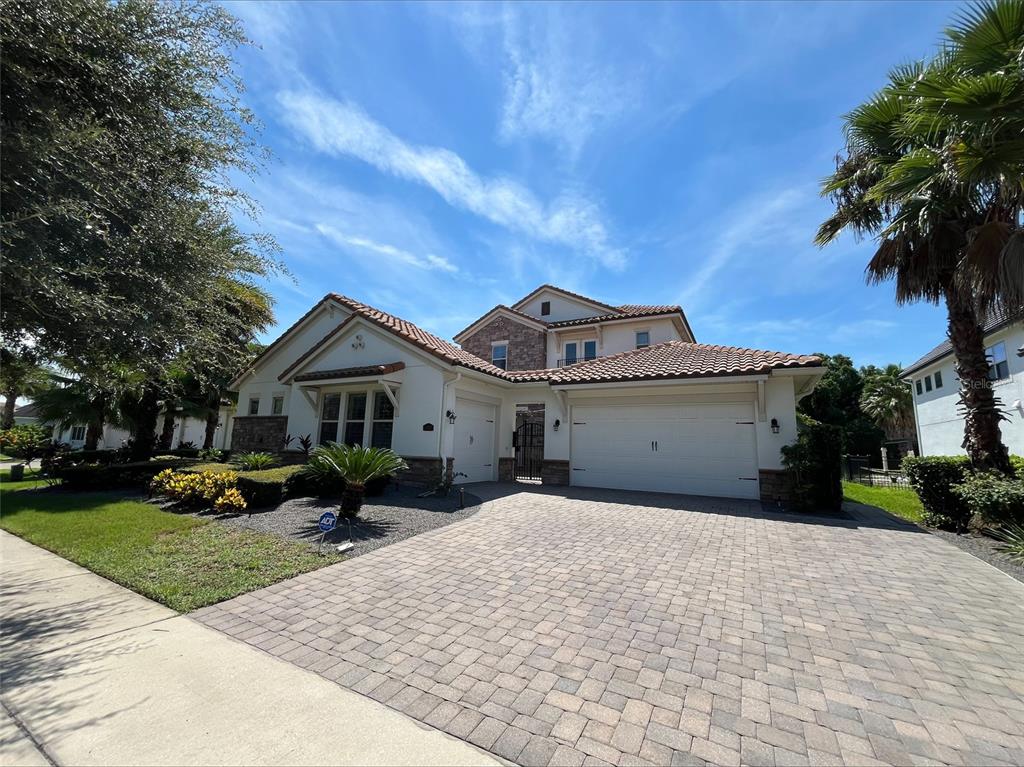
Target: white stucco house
187	432
621	396
935	387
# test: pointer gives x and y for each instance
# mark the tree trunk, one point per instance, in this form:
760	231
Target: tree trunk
982	436
212	419
167	433
147	411
10	402
94	430
352	499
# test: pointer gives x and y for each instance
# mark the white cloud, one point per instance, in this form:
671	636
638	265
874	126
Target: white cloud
558	84
430	261
340	128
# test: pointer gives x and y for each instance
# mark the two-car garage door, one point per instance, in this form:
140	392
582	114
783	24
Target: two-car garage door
699	449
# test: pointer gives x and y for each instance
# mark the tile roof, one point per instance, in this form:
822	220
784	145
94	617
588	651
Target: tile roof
508	309
674	359
354	372
549	286
680	359
997	319
626	311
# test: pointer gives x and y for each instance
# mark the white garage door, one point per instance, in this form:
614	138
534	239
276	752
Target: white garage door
699	449
474	441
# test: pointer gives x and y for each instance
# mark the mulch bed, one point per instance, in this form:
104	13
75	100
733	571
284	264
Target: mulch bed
394	516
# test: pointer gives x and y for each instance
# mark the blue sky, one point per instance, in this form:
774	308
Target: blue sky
435	160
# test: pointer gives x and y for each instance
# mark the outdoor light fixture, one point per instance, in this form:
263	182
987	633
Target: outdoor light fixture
451	416
775	426
556	424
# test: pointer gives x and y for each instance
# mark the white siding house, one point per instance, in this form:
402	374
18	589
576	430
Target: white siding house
935	387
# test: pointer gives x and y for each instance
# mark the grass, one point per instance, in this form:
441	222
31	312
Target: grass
901	501
179	560
30	482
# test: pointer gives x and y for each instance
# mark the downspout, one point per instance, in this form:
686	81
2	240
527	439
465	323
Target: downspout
441	420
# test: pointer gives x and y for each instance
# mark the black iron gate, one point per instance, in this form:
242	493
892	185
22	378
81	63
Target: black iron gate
529	444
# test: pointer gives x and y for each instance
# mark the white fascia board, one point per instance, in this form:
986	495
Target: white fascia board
659	382
616	321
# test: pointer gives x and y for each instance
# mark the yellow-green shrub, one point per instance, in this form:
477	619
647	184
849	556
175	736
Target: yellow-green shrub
192	488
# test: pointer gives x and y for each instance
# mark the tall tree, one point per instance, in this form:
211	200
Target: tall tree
886	398
124	133
933	168
20	376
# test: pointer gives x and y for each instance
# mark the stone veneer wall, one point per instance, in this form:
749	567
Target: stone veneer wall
554	472
506	469
260	433
776	485
527	347
423	470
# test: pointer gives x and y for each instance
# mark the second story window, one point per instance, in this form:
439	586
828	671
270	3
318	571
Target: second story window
920	390
998	366
254	405
938	379
589	350
499	355
927	383
643	339
277	406
545	308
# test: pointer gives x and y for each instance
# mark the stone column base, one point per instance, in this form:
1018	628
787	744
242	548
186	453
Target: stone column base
776	485
506	469
258	433
423	470
554	472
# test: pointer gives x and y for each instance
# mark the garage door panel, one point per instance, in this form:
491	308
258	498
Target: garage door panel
704	449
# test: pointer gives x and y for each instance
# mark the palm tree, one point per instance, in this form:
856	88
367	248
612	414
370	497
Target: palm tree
71	401
350	468
886	398
20	376
933	169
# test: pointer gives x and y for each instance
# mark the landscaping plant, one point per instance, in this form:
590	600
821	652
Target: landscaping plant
814	462
1012	537
254	461
26	441
991	499
933	478
352	467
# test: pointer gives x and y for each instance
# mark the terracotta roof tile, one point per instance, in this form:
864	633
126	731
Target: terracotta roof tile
354	372
549	286
679	359
626	311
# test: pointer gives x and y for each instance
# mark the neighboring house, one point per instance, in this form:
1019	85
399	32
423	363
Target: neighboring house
24	414
936	389
624	396
186	430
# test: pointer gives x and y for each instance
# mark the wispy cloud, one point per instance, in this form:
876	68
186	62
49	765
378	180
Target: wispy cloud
557	85
341	128
429	261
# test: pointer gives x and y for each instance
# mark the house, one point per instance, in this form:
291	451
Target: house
188	431
24	415
558	387
935	388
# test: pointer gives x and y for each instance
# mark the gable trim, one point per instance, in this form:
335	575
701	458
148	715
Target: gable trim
500	311
567	294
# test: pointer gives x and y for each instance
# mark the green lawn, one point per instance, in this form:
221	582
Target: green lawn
30	482
179	560
900	501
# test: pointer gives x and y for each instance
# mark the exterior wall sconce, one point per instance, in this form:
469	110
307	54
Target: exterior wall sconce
451	416
556	424
775	426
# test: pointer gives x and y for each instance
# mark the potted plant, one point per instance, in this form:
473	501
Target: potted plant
350	468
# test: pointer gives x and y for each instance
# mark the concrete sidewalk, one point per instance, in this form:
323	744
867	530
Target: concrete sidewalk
96	674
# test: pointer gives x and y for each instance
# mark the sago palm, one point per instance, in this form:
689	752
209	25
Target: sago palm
933	168
351	468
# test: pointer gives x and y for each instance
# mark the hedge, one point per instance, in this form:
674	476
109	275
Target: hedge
991	499
933	478
266	487
94	476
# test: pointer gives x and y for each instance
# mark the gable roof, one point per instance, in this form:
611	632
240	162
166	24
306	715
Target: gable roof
517	316
359	371
564	292
996	320
670	360
680	359
625	312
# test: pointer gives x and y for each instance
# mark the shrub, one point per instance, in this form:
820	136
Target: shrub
991	499
94	476
1017	463
194	488
254	461
356	466
26	441
933	477
105	457
265	488
231	502
1012	537
212	455
815	462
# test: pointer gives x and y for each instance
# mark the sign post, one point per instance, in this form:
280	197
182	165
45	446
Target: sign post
328	521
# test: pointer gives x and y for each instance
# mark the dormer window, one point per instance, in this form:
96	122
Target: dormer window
545	308
499	355
643	339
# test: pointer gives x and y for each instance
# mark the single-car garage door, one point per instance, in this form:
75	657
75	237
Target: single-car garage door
474	440
699	449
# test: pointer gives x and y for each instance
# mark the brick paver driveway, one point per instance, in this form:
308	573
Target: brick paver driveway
592	627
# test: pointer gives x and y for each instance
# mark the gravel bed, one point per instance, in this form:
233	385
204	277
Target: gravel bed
984	548
386	519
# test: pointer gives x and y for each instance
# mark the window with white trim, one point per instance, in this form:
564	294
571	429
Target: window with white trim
920	388
938	379
643	339
383	420
589	350
570	353
355	418
927	383
499	355
330	412
77	433
277	406
545	308
254	405
998	365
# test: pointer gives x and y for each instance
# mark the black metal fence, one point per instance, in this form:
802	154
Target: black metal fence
857	468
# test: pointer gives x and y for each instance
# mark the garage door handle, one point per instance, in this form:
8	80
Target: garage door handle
746	422
579	423
748	479
579	469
